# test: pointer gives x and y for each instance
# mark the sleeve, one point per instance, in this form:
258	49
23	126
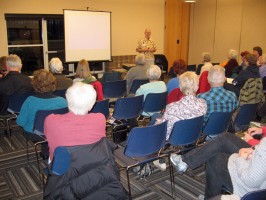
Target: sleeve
140	91
252	172
24	112
253	142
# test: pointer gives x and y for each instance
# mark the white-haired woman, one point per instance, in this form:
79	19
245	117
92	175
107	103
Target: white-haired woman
56	67
154	86
78	126
206	59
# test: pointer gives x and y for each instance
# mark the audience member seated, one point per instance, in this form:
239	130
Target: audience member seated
154	86
218	99
56	67
262	68
137	72
3	70
232	63
13	82
44	83
252	71
178	68
204	85
78	127
188	107
242	66
83	73
206	59
257	51
230	162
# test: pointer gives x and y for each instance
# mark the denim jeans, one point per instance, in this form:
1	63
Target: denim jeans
215	154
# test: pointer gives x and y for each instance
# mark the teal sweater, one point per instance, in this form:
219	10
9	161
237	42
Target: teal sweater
33	104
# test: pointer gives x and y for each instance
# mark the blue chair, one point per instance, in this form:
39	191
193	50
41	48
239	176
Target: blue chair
143	146
255	195
101	107
136	84
115	89
110	76
126	111
245	115
218	122
155	102
191	68
60	93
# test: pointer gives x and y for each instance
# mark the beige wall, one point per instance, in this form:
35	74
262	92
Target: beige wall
129	19
219	25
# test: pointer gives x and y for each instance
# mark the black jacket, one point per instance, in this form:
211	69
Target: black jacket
92	174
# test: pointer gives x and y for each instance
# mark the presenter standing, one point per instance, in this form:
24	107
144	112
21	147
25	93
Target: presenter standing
147	47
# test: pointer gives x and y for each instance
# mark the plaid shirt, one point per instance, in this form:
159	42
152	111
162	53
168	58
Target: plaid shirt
219	99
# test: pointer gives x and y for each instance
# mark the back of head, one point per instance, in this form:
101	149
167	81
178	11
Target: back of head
140	59
179	66
43	81
206	57
83	69
80	98
232	54
56	66
244	54
189	83
154	72
216	76
13	62
258	49
252	59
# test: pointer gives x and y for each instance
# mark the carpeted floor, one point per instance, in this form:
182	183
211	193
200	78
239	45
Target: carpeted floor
19	178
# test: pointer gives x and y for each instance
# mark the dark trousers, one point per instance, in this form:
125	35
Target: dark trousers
215	154
3	104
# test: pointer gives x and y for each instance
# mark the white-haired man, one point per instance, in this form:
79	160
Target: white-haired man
78	127
13	82
217	98
56	67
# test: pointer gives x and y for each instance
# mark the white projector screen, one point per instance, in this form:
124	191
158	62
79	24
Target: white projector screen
87	35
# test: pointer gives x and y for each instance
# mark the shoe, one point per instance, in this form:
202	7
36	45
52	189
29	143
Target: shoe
145	171
180	166
160	166
201	197
136	169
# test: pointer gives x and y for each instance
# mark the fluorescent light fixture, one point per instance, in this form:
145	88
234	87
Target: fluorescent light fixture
190	1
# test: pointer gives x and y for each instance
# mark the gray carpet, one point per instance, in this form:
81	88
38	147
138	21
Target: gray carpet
19	178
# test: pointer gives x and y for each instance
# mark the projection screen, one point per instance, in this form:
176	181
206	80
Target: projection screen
87	35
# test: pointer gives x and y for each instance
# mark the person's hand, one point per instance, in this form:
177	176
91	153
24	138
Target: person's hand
254	130
246	153
247	137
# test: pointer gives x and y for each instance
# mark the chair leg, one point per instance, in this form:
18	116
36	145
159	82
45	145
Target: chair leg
128	183
172	177
37	159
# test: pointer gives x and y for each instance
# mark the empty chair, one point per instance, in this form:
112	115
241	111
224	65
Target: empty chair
126	111
114	89
218	122
154	102
246	113
175	95
143	146
101	107
191	68
111	76
136	84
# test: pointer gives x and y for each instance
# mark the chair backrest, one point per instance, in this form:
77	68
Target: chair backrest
61	161
204	85
175	95
40	118
155	102
191	68
144	141
136	84
60	93
111	76
128	108
99	89
161	61
218	122
245	115
115	89
101	107
16	100
186	131
199	69
255	195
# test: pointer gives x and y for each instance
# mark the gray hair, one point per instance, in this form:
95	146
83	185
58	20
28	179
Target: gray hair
80	98
189	83
13	61
56	65
232	54
216	75
140	59
153	72
206	57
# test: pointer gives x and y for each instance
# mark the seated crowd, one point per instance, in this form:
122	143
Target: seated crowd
231	162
